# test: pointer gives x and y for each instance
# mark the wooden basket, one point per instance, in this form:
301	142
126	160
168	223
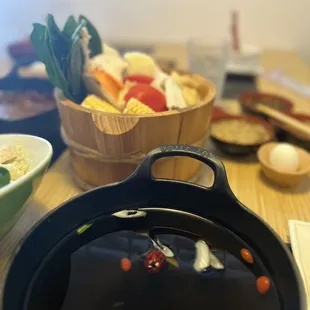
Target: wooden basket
107	148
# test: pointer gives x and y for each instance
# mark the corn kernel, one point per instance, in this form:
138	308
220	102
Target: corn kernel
94	103
134	106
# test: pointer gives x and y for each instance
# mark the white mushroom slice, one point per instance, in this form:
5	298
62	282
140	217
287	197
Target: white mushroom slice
160	79
111	64
174	96
202	260
215	262
140	63
127	214
163	248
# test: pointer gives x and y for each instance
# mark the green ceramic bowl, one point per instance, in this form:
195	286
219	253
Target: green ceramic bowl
14	195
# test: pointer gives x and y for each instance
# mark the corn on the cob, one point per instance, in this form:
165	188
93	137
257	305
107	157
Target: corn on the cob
121	103
94	103
134	106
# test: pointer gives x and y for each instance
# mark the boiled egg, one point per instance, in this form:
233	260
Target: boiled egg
284	158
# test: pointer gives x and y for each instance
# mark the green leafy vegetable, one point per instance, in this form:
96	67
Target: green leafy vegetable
95	44
75	67
38	39
5	177
60	80
83	228
62	53
70	26
60	44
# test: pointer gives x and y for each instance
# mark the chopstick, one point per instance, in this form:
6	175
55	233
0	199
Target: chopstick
290	122
235	31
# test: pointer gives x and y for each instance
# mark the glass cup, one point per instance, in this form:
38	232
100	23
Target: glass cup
208	57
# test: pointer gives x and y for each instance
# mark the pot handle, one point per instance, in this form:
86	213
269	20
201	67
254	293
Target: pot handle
144	171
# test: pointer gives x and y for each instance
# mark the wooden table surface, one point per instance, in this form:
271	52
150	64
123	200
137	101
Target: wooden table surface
276	205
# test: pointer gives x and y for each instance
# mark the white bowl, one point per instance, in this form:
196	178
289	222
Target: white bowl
14	195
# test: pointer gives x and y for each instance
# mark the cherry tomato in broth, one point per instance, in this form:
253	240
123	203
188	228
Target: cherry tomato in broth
263	284
247	256
125	264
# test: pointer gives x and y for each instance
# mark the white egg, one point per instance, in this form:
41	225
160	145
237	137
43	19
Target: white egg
284	158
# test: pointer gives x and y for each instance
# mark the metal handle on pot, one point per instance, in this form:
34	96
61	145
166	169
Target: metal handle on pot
144	170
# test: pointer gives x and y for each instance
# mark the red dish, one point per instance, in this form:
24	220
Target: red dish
217	112
249	99
291	136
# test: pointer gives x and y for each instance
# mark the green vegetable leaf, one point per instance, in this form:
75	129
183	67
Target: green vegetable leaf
54	29
38	40
60	81
62	54
61	44
83	228
95	44
70	27
75	65
5	177
75	71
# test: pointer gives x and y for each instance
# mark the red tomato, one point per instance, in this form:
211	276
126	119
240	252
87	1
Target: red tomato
148	95
139	78
263	284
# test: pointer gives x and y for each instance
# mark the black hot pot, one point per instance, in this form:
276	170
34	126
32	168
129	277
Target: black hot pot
146	243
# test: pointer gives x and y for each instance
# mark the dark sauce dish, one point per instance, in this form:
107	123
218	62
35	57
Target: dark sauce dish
288	136
234	148
249	99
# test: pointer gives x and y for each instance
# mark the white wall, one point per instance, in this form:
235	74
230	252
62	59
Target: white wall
268	23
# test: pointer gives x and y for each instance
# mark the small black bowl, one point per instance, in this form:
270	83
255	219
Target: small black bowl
240	149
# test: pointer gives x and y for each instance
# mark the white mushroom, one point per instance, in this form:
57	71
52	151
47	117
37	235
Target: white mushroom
202	261
164	249
174	96
215	262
